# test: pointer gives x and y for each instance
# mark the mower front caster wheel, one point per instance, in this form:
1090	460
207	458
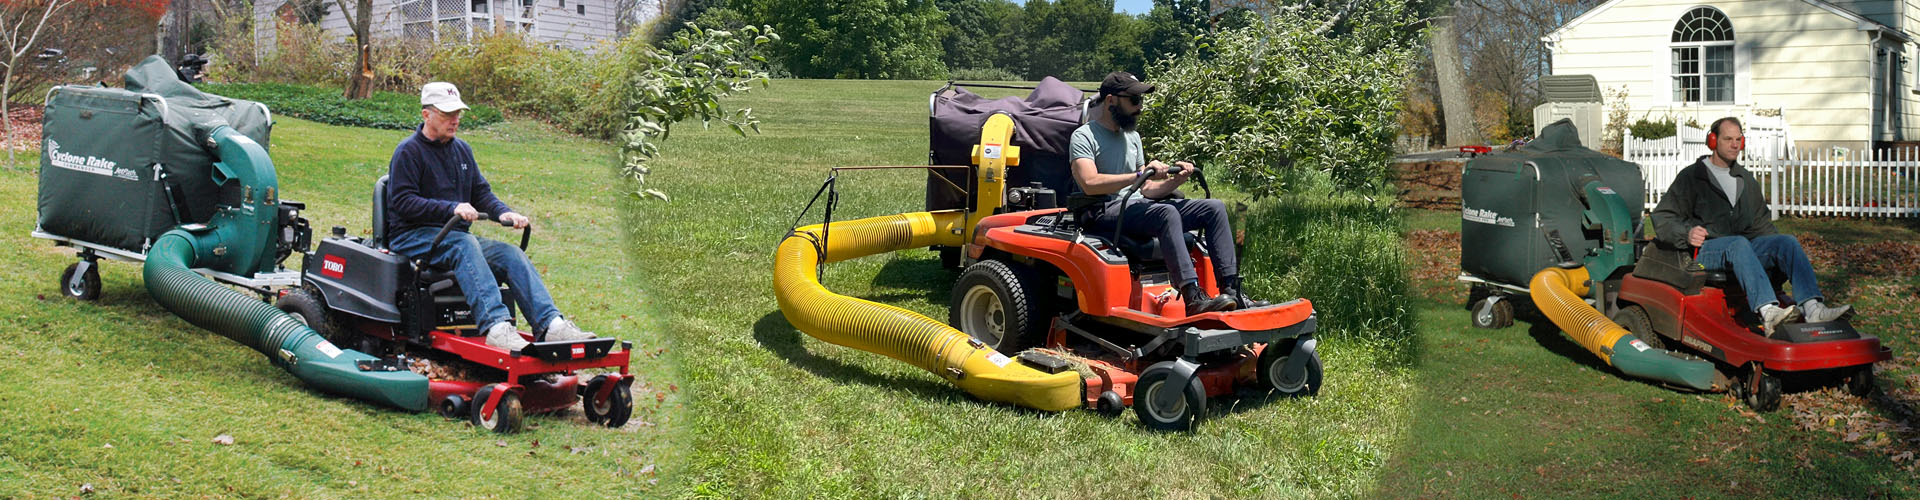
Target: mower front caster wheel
1762	395
507	415
1274	359
1860	382
613	412
87	287
453	406
1162	406
1493	312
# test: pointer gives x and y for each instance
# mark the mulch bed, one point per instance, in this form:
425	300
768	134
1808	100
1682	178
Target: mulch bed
26	128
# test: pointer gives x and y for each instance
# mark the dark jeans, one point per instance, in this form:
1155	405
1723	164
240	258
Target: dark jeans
1751	261
476	261
1166	219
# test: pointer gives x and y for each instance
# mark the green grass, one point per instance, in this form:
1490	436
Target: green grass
385	110
1523	411
779	414
126	373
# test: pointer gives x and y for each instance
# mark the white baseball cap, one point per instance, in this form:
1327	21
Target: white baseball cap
442	96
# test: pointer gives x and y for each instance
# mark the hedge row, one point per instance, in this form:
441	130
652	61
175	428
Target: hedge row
386	110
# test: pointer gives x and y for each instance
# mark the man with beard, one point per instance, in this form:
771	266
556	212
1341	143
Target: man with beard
1106	160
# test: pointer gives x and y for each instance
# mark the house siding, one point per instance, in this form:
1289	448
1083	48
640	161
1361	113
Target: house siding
568	27
552	23
1809	62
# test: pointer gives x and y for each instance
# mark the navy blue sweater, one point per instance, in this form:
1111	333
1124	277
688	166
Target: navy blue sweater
426	180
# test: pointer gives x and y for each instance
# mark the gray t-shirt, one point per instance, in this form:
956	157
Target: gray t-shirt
1112	152
1727	183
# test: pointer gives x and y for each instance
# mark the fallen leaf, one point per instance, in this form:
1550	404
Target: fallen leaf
223	440
86	489
107	446
500	443
536	443
648	469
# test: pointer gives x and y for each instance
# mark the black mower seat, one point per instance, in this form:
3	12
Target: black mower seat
1148	250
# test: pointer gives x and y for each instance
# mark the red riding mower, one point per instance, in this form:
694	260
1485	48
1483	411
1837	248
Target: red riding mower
360	295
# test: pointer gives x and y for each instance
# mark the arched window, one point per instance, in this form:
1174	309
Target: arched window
1703	57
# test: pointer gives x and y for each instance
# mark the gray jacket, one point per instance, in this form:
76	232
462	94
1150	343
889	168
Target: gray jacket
1696	199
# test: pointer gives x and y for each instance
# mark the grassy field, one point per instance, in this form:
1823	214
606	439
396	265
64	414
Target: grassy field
1523	411
123	397
779	414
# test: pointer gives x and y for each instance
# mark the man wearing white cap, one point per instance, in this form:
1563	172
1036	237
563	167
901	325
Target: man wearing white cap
432	178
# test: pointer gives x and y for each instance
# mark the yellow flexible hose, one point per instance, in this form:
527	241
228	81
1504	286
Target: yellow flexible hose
1556	292
899	333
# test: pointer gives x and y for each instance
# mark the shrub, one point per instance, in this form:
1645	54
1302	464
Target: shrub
387	110
1645	129
1278	99
1343	252
983	75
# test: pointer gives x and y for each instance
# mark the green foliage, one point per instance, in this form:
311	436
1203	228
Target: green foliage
871	39
571	88
386	110
685	77
1658	129
1343	252
1277	102
982	75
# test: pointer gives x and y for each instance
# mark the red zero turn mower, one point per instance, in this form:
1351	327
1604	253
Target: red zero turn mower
1037	278
362	296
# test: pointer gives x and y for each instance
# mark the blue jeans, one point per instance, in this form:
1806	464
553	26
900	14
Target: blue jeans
476	262
1167	219
1752	260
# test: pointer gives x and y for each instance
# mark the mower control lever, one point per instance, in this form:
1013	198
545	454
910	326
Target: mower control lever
433	249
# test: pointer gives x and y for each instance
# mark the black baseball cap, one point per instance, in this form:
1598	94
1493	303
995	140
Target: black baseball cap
1124	84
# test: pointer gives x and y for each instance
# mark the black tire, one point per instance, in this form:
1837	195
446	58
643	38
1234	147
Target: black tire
1495	316
1181	414
506	419
1109	404
1860	381
1291	385
87	289
1000	305
311	309
1766	397
1634	319
616	411
453	406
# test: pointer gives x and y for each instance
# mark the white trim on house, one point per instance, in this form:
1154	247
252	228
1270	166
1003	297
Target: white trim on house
1863	23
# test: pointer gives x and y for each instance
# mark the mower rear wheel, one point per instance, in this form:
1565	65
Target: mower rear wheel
86	288
507	415
311	310
1493	312
1274	359
1634	319
1161	406
612	413
1860	381
1000	305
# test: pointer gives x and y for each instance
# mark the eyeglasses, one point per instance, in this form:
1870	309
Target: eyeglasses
1133	99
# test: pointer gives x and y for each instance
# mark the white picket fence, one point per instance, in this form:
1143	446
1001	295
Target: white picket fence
1882	183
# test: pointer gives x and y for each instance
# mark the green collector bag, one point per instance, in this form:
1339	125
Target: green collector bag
1510	202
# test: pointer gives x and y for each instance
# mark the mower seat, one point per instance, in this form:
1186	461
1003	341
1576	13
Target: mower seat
1148	250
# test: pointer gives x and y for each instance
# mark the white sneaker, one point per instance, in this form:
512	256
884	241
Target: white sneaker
1820	312
1772	315
561	330
504	336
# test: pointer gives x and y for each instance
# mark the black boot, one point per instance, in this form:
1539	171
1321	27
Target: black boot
1198	301
1230	288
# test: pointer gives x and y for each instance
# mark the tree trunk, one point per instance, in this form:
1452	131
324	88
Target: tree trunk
1455	104
174	29
361	85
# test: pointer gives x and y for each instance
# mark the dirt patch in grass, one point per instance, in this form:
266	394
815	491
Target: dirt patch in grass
1433	185
1433	257
25	119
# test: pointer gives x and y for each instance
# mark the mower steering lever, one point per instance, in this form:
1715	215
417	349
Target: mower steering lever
433	249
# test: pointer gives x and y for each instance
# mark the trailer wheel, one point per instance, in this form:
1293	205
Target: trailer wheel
507	416
1493	312
86	288
999	305
1860	382
1161	406
1272	361
612	413
1634	319
453	406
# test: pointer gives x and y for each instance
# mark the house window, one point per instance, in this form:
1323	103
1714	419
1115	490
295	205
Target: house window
581	8
479	6
1703	57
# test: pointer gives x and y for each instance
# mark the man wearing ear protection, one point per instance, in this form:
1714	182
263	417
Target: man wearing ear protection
1715	206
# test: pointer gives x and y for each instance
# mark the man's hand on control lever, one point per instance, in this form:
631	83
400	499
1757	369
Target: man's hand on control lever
515	219
466	212
1697	236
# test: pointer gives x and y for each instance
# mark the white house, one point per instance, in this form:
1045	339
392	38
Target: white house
572	23
1838	73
